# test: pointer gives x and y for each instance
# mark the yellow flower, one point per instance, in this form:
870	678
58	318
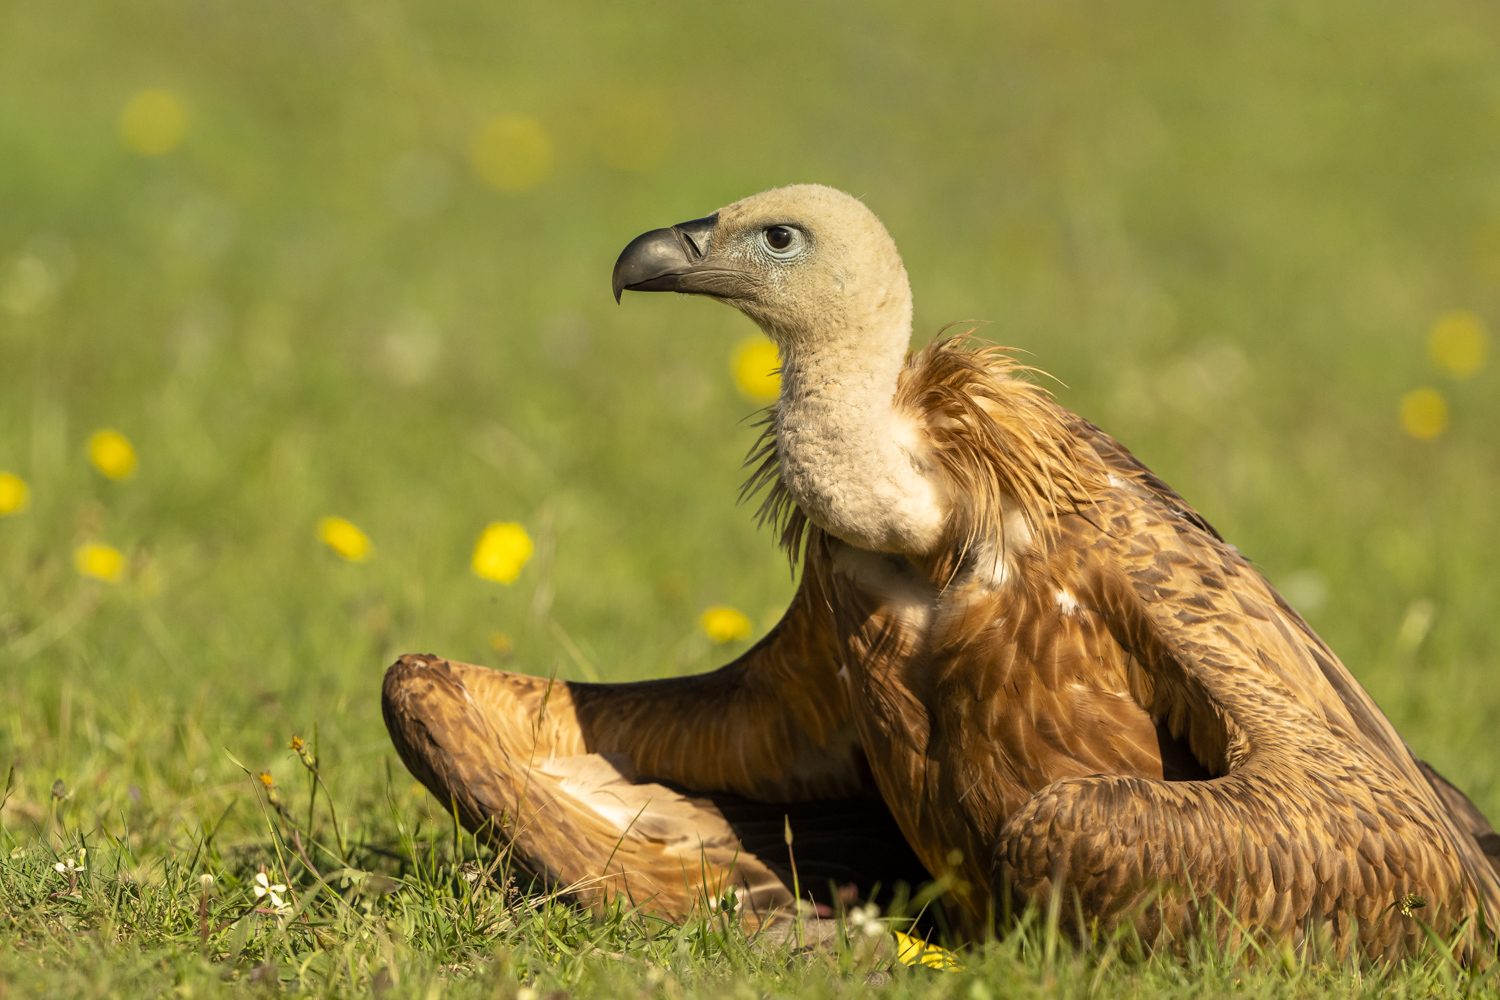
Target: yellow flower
101	562
265	779
914	951
724	624
754	364
344	538
1424	413
503	549
153	123
1457	343
13	493
511	153
112	454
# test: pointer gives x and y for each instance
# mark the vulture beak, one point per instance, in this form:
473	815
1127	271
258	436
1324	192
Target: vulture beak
676	260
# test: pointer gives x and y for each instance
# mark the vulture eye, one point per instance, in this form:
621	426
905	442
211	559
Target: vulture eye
782	241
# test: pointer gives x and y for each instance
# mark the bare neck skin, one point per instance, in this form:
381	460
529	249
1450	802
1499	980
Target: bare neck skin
852	462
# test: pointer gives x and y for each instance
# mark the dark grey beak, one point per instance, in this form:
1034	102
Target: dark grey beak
673	260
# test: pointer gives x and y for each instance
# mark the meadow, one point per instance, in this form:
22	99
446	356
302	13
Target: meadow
335	260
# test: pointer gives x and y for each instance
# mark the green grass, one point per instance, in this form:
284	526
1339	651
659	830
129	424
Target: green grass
1226	227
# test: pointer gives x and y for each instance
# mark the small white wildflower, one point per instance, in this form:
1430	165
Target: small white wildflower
70	866
265	888
867	919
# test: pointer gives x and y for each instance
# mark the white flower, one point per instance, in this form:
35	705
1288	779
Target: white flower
264	887
867	918
69	866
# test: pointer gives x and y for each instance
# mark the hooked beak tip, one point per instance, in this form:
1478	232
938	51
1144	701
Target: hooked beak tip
657	261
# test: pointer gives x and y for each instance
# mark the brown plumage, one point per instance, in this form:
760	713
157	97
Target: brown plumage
1013	650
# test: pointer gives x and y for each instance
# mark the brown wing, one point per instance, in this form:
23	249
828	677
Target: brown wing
1466	815
773	725
1125	466
1321	814
970	698
662	791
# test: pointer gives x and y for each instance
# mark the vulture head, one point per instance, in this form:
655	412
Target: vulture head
816	270
809	264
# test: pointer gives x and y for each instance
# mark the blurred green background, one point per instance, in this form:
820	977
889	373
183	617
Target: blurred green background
352	259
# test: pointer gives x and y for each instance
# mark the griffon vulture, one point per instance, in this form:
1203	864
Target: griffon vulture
1016	659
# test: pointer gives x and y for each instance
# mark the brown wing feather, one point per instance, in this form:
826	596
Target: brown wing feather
1322	813
774	725
607	789
970	699
1466	814
582	822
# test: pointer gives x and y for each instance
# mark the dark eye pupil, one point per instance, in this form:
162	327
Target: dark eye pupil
780	237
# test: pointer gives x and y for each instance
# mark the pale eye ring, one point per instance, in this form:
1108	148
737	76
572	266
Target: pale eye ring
782	241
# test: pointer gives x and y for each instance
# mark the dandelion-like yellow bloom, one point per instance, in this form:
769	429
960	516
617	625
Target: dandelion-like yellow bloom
153	122
1458	343
344	538
265	779
99	562
1424	413
112	454
511	153
914	951
724	624
503	549
755	365
14	494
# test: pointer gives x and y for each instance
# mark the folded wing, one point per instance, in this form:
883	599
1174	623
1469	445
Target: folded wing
1321	816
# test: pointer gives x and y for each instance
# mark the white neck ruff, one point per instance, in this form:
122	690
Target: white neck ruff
856	466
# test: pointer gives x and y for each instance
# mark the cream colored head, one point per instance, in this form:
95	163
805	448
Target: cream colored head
808	263
821	276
